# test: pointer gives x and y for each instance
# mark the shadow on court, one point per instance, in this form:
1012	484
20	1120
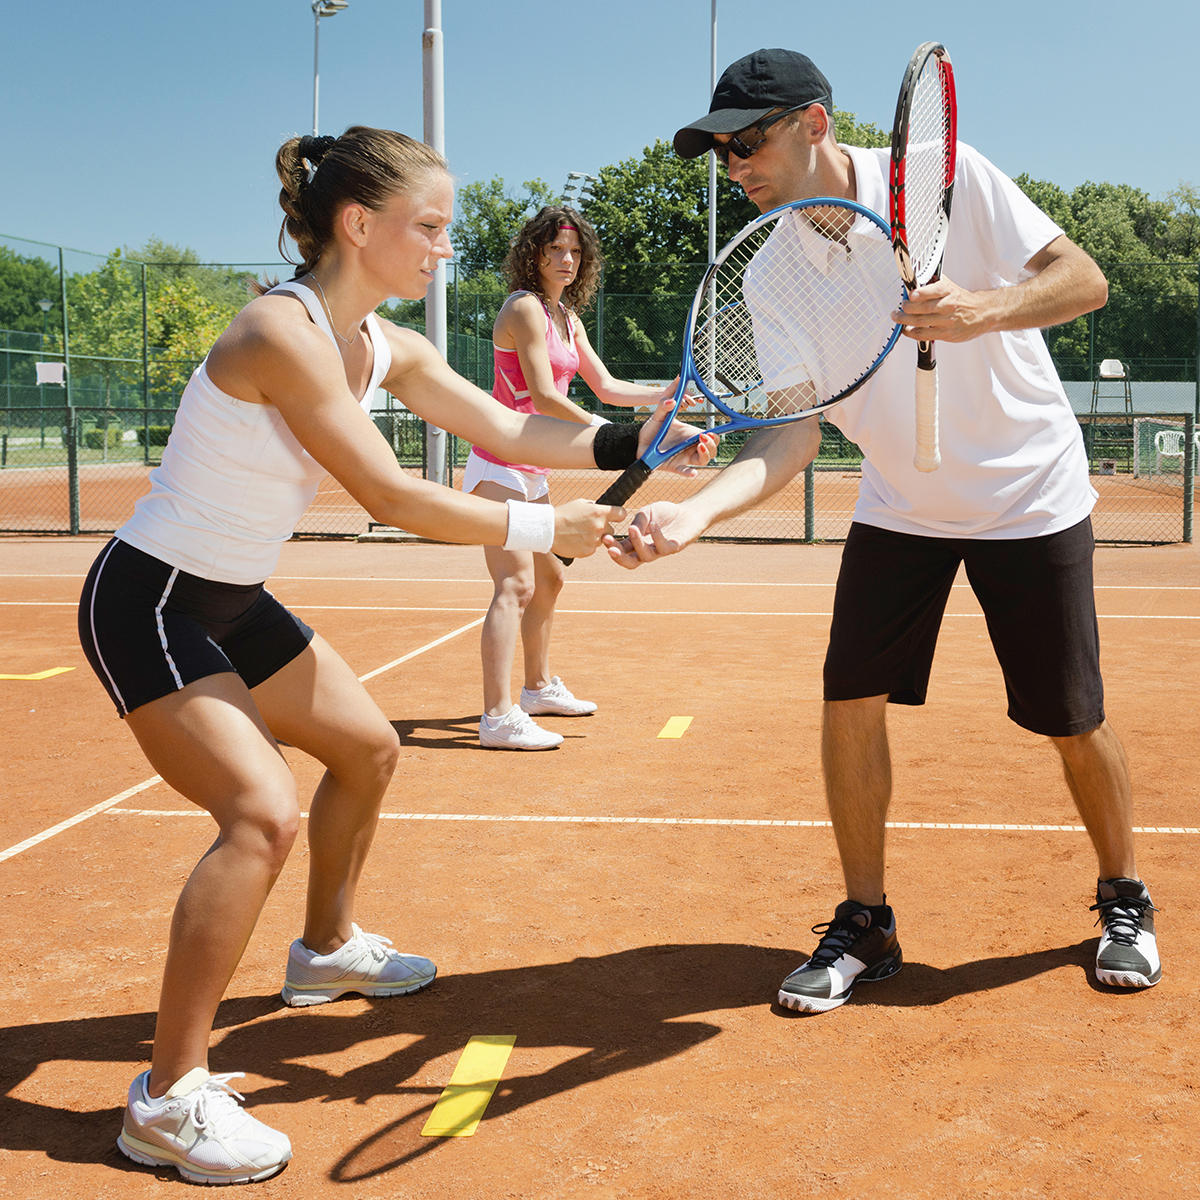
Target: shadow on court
623	1011
918	985
449	733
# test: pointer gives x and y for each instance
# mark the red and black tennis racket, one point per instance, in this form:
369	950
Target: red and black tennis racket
924	145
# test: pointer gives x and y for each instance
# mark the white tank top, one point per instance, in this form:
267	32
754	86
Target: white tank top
234	481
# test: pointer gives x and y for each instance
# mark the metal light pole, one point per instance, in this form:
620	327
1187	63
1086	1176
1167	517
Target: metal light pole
321	8
712	158
710	420
45	306
435	296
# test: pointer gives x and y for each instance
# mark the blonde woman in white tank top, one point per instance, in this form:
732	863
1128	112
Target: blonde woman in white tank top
282	399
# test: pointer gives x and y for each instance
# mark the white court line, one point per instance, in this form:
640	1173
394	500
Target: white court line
141	787
600	612
397	661
103	806
620	581
558	820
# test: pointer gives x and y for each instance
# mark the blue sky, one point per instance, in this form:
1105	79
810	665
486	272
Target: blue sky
134	118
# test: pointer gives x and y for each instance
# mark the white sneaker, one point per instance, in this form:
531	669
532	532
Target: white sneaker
365	964
554	698
517	732
199	1129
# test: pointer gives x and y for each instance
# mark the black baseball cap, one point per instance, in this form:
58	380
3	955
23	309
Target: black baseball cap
750	89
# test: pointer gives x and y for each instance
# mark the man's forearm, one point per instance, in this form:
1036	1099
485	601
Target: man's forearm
1065	287
765	463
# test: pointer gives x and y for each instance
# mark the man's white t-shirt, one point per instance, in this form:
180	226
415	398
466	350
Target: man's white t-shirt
1013	460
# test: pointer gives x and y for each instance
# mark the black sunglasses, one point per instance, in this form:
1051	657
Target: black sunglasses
735	145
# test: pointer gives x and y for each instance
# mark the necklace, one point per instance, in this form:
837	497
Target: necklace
329	312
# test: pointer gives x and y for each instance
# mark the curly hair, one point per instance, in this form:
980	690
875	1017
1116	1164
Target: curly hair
523	263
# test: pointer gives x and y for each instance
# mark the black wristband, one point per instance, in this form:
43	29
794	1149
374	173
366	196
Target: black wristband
616	446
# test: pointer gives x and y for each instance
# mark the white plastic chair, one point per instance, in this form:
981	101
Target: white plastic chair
1168	443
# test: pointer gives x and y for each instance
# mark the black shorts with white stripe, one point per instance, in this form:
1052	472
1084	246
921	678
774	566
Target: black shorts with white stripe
149	629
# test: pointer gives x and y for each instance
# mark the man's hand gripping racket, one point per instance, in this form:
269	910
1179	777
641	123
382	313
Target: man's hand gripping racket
804	293
924	148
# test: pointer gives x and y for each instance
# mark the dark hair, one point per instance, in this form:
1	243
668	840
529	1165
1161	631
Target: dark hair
321	175
523	264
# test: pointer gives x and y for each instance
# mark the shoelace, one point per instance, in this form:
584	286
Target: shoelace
213	1099
837	936
1122	917
378	946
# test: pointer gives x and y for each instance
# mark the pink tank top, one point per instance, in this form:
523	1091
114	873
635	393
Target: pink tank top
512	390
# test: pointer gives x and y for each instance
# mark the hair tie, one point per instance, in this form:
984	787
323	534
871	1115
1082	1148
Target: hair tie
312	150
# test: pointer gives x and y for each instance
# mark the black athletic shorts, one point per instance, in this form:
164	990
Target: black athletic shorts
1036	594
149	629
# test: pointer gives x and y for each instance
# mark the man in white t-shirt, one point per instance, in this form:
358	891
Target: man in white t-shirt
1011	501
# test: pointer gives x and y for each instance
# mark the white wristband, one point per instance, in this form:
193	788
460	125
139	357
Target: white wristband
530	527
597	419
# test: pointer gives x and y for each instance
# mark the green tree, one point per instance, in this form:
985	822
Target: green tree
1147	249
106	324
850	131
23	282
489	216
182	324
218	284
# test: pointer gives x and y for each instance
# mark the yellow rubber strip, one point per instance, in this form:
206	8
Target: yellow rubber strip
41	674
460	1108
676	727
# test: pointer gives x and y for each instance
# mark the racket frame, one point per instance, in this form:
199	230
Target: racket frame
690	372
927	456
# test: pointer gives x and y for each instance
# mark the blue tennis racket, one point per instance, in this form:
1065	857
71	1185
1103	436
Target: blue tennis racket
802	296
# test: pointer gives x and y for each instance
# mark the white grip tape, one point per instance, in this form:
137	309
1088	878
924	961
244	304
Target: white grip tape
597	419
530	527
928	457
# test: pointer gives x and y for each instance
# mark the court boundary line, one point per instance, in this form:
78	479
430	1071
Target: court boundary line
535	819
106	805
103	806
608	612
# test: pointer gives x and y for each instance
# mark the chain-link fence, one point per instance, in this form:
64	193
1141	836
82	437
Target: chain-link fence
74	455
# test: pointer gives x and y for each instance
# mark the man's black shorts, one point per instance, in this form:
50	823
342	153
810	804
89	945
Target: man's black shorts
1036	594
149	630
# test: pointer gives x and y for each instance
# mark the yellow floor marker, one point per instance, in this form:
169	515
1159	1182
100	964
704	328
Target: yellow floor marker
41	674
460	1108
676	727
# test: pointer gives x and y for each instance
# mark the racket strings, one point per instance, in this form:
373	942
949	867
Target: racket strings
925	169
803	290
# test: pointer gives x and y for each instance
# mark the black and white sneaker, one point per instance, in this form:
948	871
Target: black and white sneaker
858	945
1128	954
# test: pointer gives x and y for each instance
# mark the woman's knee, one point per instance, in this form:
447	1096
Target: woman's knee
367	758
515	590
266	826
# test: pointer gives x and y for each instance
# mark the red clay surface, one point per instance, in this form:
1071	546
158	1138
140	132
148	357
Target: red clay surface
636	963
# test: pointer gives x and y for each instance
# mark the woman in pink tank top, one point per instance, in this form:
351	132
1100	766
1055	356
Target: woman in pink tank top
538	344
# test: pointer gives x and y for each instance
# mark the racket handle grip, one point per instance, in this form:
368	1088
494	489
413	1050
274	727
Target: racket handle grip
928	456
622	488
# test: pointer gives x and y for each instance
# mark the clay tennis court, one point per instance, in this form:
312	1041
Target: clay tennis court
626	906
